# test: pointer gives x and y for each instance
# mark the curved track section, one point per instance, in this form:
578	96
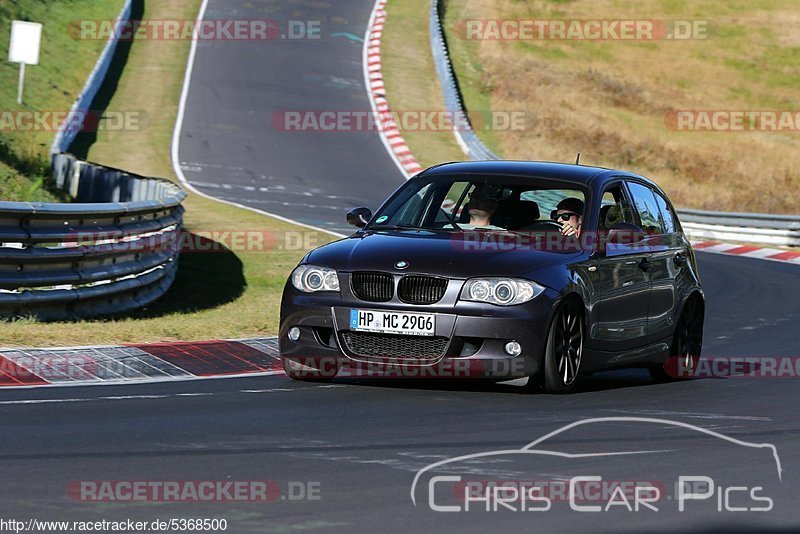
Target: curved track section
362	442
234	145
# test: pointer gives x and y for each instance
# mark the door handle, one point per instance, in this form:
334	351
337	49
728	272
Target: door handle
679	259
645	264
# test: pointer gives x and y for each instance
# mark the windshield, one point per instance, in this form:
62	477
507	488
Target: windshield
474	203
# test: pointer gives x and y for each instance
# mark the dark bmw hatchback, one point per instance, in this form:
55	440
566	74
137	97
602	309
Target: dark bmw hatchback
501	270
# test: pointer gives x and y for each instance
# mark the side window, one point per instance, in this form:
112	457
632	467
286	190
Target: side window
453	202
646	207
614	208
667	216
412	211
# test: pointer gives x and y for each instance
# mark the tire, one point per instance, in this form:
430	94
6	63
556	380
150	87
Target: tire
297	370
686	346
564	349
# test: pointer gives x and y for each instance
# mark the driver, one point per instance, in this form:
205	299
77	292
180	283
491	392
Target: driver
569	215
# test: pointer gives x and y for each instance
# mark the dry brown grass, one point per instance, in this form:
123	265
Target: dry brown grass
608	100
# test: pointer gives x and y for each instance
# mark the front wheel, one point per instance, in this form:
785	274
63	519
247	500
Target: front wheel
687	344
564	349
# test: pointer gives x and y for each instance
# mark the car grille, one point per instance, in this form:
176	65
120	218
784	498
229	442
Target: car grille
421	289
394	347
373	287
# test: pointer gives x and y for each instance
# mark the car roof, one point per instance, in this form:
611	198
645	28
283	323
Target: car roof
582	174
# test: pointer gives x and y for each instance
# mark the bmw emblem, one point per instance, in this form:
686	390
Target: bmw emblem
402	264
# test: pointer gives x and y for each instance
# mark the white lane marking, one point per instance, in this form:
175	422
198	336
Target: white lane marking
176	135
138	382
693	415
281	390
43	401
284	203
167	396
126	397
120	397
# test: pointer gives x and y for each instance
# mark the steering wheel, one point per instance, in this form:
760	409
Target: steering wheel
543	226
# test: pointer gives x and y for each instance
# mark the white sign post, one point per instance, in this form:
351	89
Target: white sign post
26	38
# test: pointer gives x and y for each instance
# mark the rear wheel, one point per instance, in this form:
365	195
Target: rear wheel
687	345
564	349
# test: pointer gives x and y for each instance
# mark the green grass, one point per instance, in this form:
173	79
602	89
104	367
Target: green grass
475	83
411	80
64	65
228	294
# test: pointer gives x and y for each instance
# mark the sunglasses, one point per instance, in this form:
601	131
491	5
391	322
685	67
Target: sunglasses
554	215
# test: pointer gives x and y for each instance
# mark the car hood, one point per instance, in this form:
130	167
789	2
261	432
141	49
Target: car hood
454	255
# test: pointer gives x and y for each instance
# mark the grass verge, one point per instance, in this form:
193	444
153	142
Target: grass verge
411	80
225	294
64	65
608	100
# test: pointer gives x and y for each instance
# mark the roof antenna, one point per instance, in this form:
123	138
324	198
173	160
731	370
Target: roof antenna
578	159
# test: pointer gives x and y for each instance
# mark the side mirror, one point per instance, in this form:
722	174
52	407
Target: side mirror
359	217
624	233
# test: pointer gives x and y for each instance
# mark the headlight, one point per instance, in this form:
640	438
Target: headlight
500	291
309	278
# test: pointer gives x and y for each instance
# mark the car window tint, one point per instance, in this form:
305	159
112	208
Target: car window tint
614	208
646	207
667	217
548	199
413	210
453	202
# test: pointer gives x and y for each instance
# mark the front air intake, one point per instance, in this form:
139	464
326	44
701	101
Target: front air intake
416	289
372	287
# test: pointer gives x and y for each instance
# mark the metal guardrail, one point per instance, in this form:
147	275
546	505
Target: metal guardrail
764	228
65	136
113	250
467	139
781	230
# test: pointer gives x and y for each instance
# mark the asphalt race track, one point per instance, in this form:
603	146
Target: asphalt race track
232	145
361	443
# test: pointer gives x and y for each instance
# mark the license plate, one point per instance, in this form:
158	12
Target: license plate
386	322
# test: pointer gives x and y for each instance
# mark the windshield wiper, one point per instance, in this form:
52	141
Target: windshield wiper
455	226
394	227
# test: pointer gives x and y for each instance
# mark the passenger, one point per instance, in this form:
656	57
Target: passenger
569	215
613	216
481	208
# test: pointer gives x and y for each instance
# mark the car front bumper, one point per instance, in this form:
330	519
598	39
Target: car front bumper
474	337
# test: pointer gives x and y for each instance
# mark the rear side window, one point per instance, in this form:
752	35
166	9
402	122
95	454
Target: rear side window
667	217
614	208
647	208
